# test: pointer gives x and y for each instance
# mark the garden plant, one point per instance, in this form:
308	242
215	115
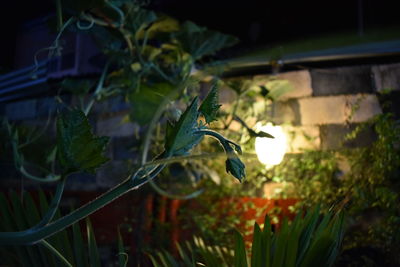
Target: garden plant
155	64
150	62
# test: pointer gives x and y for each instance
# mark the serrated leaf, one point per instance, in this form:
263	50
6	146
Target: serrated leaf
209	107
199	42
78	148
181	138
146	101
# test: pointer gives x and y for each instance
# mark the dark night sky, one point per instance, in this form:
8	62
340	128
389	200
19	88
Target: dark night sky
269	21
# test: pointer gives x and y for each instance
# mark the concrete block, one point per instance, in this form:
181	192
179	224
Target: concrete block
283	112
299	80
343	80
302	138
333	136
361	108
114	126
387	76
338	109
21	110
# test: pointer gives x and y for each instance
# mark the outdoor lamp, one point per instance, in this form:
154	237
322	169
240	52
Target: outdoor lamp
270	151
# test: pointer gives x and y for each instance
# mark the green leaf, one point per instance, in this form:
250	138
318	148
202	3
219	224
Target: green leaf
186	259
257	248
209	107
77	147
146	101
267	234
122	255
153	260
292	245
94	256
318	254
181	138
310	224
199	42
240	251
280	245
78	244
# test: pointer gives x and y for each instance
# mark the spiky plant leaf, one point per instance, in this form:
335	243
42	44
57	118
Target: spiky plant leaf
257	248
122	255
79	252
240	251
181	138
209	107
94	257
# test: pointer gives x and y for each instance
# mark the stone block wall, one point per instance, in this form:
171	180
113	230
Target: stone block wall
317	114
326	104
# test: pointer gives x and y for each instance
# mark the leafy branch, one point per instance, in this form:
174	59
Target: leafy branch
79	150
143	74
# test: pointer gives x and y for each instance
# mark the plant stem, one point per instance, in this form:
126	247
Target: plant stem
222	140
56	253
59	15
51	178
98	89
33	235
55	202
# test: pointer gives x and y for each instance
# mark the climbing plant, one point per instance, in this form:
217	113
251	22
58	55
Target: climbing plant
151	61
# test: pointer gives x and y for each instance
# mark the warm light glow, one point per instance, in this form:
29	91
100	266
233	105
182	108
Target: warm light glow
270	151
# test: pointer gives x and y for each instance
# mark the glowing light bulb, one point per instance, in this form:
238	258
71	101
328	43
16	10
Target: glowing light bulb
270	151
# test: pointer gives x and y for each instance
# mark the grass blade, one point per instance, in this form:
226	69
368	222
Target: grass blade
280	245
267	239
56	253
310	223
257	248
122	255
94	257
240	259
79	246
